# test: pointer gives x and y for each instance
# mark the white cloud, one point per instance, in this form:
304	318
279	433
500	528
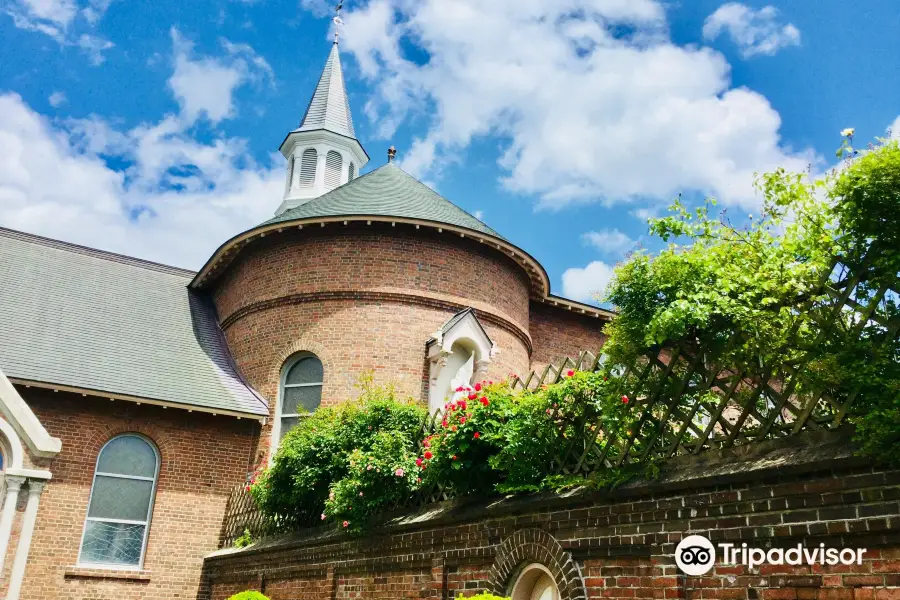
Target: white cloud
586	115
894	129
609	241
60	18
174	203
587	284
57	99
169	198
478	214
754	31
205	86
51	17
94	47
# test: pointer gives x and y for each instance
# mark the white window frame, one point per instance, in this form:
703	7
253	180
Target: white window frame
279	415
87	518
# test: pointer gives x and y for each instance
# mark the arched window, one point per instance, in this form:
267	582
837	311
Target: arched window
308	168
118	518
290	173
301	391
333	165
351	172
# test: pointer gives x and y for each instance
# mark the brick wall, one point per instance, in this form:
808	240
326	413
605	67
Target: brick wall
202	458
558	333
613	545
365	301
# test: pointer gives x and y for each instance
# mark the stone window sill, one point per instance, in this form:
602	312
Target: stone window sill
95	573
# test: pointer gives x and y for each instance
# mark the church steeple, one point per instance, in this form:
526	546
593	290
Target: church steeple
323	152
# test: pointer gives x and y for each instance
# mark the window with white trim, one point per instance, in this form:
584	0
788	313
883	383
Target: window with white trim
118	518
301	391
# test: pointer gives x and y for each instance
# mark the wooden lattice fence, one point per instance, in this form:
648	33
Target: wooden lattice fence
703	393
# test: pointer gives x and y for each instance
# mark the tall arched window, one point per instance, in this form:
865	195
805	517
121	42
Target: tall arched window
351	172
333	165
301	391
118	519
308	168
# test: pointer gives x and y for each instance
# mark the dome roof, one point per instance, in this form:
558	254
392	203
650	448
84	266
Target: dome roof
387	192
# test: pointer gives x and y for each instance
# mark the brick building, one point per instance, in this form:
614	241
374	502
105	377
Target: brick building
135	396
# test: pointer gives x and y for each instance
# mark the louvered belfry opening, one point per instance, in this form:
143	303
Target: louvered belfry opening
351	172
290	174
308	168
333	165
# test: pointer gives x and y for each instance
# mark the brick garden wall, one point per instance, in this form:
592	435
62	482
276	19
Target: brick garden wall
202	458
614	545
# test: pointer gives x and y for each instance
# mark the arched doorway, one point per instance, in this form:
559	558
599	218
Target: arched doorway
535	583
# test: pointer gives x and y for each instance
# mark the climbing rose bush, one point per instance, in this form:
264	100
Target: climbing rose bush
495	440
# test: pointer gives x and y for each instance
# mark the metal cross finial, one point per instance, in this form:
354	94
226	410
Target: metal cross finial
337	19
392	152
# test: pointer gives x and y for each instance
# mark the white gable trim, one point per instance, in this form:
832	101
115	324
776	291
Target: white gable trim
24	423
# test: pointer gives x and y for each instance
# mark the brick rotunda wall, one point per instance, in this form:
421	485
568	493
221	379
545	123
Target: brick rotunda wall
366	298
616	545
557	331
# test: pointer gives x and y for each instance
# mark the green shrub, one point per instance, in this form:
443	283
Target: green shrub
249	595
322	457
244	540
755	290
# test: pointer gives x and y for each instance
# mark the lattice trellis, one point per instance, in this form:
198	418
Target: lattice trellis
693	396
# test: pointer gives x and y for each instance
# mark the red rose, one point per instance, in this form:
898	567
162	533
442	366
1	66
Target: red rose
472	396
428	455
454	457
477	387
625	399
346	523
444	422
419	462
459	389
569	373
477	435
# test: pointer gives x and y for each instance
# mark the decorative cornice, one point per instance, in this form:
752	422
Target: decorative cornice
418	298
540	282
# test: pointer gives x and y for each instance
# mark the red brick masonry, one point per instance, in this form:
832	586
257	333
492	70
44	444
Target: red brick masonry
805	490
202	457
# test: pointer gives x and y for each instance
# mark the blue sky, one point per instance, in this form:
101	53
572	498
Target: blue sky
151	129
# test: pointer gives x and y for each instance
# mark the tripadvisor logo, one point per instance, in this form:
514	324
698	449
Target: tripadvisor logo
696	555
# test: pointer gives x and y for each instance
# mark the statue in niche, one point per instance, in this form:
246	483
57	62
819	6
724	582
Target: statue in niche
463	379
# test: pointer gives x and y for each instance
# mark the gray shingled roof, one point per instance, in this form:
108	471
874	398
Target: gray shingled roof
386	191
329	107
84	318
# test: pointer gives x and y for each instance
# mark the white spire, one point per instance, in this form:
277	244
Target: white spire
329	108
323	153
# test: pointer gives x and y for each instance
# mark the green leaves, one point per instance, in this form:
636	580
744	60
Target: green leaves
760	286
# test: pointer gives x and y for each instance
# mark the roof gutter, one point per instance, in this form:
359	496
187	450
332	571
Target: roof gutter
56	387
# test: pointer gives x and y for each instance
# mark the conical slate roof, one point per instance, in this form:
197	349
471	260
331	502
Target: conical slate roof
386	191
329	108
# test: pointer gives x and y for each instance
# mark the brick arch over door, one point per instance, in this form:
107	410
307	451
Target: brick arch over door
528	546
